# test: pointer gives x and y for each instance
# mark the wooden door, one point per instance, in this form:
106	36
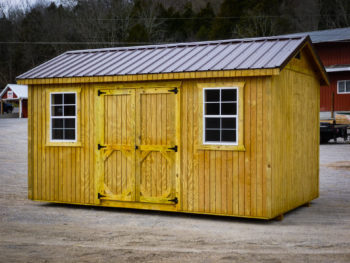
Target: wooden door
117	150
157	145
137	153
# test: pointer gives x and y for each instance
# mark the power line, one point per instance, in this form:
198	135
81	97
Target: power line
203	18
77	43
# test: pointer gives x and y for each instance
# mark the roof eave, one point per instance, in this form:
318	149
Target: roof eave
153	77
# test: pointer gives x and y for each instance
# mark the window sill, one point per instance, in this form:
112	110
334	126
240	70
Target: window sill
237	148
63	144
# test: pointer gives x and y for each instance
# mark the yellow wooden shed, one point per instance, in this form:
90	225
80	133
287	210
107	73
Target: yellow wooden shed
222	127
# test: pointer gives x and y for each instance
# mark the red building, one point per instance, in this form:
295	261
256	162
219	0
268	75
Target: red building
333	47
17	95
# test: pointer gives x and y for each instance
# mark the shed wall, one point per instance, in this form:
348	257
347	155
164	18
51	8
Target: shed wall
212	181
61	174
295	143
221	181
278	170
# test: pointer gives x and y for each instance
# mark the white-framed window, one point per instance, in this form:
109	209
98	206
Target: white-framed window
343	86
220	116
63	116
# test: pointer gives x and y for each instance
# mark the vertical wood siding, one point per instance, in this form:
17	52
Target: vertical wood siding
62	174
158	128
223	181
118	164
295	144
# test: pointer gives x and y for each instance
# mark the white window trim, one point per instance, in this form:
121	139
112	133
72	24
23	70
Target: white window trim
220	116
64	117
344	92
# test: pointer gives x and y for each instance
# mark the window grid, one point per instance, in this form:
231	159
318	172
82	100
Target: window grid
343	86
220	116
63	117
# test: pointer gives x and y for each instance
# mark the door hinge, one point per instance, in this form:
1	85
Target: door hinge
100	195
173	148
175	200
99	146
99	92
175	90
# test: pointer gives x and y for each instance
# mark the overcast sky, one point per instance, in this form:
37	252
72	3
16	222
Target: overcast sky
6	4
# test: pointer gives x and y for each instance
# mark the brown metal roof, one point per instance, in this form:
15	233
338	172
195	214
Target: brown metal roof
236	54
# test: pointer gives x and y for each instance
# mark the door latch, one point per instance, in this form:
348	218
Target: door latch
175	200
99	146
173	148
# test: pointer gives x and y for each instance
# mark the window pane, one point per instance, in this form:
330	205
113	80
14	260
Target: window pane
212	108
348	86
229	95
69	123
57	134
212	95
228	136
56	98
212	123
341	86
228	123
212	135
57	110
228	108
69	98
57	123
69	110
69	134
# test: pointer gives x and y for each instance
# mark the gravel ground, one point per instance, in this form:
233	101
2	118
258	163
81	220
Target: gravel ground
41	232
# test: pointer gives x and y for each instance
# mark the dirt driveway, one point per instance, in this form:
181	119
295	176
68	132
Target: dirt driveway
40	232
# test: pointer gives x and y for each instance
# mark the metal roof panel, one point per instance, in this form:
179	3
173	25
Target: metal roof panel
196	55
263	62
328	35
161	53
178	59
154	67
286	51
85	66
253	53
230	56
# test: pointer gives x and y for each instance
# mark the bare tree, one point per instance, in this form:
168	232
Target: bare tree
254	25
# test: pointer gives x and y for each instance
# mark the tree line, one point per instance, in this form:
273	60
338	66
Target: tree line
36	33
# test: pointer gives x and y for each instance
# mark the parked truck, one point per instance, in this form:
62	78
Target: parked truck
329	129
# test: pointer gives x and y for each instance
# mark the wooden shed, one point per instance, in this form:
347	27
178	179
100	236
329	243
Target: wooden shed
223	127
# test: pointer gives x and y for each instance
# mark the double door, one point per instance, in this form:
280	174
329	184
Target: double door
137	147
